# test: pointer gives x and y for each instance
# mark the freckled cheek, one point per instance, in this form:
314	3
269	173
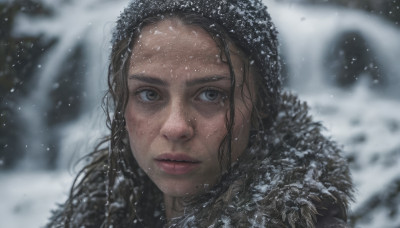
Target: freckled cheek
142	139
213	135
139	128
213	131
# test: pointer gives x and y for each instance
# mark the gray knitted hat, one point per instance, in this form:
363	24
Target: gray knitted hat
247	22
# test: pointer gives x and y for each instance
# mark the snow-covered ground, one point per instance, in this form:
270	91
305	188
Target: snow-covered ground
26	198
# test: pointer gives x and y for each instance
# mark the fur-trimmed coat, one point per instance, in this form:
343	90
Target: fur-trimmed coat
299	179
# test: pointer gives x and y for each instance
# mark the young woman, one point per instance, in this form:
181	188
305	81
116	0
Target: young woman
201	134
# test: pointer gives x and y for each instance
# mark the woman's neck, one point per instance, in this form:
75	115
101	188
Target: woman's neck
174	207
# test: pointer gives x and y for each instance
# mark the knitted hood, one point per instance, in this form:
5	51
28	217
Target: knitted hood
247	22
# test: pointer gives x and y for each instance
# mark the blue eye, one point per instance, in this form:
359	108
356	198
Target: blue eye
211	95
148	95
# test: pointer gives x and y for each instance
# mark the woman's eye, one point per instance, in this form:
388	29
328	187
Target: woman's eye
211	95
148	95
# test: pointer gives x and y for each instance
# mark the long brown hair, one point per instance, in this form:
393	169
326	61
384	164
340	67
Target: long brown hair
115	149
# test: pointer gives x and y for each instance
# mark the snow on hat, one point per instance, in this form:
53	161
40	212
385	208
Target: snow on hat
247	22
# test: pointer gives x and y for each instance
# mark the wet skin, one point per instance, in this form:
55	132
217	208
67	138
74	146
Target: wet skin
177	107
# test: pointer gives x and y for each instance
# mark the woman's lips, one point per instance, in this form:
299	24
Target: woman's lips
176	164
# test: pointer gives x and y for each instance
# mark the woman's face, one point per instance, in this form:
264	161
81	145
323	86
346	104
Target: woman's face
178	104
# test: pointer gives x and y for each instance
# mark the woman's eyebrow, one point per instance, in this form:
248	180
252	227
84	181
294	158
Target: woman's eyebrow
204	80
157	81
148	79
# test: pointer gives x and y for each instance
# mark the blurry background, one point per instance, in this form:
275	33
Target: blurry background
340	56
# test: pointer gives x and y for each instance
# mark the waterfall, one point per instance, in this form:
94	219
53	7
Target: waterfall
343	62
311	34
84	26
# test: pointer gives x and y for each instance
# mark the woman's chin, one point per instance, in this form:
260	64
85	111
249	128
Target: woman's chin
181	190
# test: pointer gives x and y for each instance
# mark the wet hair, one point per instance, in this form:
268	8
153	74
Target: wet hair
120	160
120	155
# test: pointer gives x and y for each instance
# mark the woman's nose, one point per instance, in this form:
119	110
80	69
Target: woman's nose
178	125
